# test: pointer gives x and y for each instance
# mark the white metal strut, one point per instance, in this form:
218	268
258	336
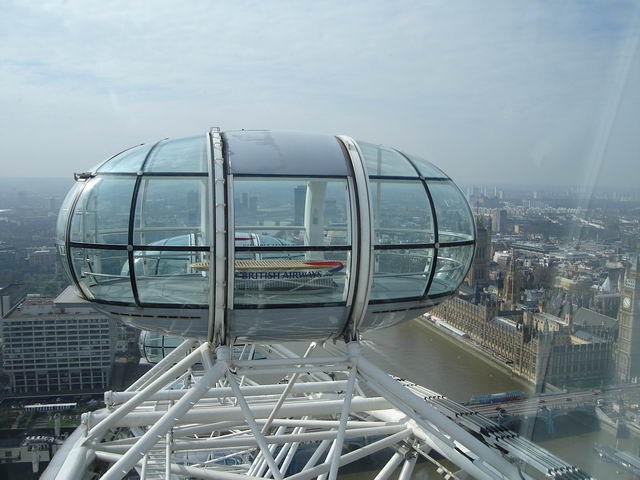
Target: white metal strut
286	416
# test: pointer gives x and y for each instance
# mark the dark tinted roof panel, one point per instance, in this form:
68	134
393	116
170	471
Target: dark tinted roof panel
284	153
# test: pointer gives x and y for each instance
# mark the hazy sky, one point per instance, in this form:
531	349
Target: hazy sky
491	91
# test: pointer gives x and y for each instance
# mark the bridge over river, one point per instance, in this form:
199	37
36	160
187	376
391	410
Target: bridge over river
560	402
545	414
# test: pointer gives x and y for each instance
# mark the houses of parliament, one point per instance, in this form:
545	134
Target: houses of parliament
530	313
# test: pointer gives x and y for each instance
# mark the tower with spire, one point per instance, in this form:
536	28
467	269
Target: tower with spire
512	283
478	276
628	351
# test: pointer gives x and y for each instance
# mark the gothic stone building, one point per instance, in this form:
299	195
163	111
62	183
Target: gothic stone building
540	350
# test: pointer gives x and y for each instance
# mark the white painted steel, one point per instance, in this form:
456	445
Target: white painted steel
183	470
354	352
248	391
169	419
315	407
437	419
249	441
167	458
364	268
231	246
218	264
287	370
259	437
407	467
285	362
158	369
161	381
274	420
211	232
287	390
292	450
355	241
77	460
317	454
353	456
390	466
143	473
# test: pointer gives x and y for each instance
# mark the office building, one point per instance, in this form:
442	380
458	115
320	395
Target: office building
52	347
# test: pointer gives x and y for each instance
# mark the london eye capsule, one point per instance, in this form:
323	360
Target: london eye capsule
245	236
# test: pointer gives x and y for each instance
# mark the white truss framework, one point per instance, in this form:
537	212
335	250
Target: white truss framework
205	415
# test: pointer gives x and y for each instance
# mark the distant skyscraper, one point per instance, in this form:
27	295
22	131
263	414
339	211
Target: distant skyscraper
628	354
53	204
499	220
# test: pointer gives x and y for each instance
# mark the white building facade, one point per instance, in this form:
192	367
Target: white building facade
54	348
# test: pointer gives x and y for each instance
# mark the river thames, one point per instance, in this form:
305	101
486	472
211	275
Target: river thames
438	362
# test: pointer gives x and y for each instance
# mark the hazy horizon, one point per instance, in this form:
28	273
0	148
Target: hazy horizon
493	93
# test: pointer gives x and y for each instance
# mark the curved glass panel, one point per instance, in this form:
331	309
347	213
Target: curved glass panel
262	152
427	169
62	257
291	277
129	161
156	346
451	268
179	278
100	274
385	161
455	222
63	214
153	354
102	212
401	273
168	207
180	155
401	212
310	212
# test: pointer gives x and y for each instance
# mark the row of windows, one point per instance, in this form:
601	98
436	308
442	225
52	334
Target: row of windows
311	212
52	355
88	372
292	235
53	321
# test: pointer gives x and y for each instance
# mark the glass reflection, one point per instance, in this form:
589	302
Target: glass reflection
426	169
129	161
291	277
172	277
383	161
155	346
293	211
167	207
100	274
63	215
179	155
455	222
102	213
401	212
401	273
451	267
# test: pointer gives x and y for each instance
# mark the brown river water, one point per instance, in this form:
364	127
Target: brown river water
438	362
